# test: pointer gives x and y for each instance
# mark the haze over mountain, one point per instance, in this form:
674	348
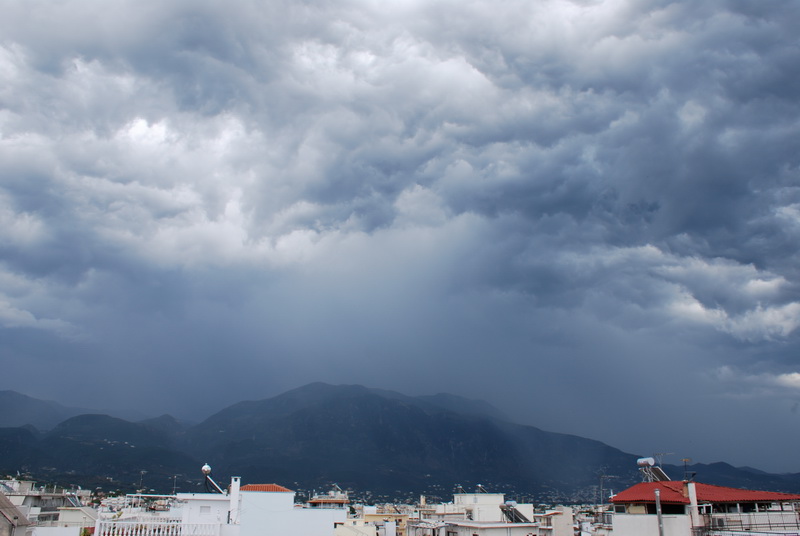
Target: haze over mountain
363	439
19	409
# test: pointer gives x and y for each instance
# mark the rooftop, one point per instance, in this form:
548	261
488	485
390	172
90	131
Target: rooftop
672	492
265	487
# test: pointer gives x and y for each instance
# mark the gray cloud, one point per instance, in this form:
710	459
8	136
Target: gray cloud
561	206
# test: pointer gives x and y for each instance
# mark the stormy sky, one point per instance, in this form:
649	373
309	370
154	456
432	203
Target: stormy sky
584	212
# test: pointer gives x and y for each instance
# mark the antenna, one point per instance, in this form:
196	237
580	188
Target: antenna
659	456
687	476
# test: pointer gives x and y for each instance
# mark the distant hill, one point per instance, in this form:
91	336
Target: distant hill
167	424
364	439
384	441
19	448
723	474
19	410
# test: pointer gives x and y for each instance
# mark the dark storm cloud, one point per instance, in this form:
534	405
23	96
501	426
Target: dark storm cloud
554	201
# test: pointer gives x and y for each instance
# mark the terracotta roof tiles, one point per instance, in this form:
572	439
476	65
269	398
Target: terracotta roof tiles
265	487
672	492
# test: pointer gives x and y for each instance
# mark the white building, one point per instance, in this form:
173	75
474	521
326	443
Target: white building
684	508
12	521
47	510
40	504
489	514
268	509
252	510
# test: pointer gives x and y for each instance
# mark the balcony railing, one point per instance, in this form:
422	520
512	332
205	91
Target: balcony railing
761	523
125	528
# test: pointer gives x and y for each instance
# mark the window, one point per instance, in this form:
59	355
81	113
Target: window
205	510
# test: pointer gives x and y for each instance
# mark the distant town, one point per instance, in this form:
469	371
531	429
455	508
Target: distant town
656	506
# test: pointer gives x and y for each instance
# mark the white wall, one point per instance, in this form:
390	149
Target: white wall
495	530
74	515
57	531
470	499
274	514
563	523
483	506
355	527
525	509
204	508
638	525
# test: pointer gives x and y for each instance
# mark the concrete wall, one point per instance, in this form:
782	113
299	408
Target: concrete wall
562	524
481	506
508	530
526	510
274	514
68	516
57	531
204	508
355	527
472	499
642	525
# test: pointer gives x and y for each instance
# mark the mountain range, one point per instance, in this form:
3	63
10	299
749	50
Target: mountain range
380	444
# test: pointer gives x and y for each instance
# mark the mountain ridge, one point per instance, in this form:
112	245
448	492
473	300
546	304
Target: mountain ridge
362	438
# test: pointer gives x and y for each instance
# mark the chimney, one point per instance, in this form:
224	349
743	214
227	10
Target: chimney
233	512
690	492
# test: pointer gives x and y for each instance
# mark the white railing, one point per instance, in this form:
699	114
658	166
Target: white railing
132	528
56	523
780	521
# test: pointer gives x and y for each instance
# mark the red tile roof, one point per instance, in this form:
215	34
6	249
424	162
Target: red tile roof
672	492
265	487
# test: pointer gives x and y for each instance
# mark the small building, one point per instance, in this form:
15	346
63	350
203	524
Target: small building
251	510
335	498
392	523
270	509
489	514
40	504
686	508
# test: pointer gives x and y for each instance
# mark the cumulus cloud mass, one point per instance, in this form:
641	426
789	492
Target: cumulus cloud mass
585	212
